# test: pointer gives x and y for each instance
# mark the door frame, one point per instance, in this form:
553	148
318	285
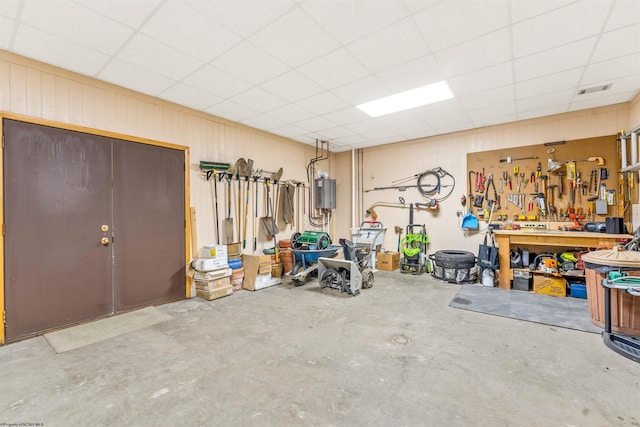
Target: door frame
76	128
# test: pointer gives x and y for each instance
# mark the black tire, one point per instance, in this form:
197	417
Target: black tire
295	240
323	242
296	270
367	278
328	276
454	259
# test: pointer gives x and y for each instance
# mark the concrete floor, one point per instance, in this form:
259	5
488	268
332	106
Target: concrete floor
396	355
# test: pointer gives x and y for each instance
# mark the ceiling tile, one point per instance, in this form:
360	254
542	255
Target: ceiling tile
565	25
76	24
336	132
347	21
213	80
413	74
419	134
289	131
291	113
555	60
481	52
547	111
259	99
334	69
610	70
521	10
394	45
9	8
493	111
323	103
418	5
563	97
292	86
53	50
189	97
598	102
231	111
485	98
6	32
472	19
365	126
550	83
244	17
354	140
457	127
491	121
294	39
626	12
477	81
127	12
443	113
617	43
625	84
250	63
362	90
316	124
179	26
346	116
133	77
155	56
263	121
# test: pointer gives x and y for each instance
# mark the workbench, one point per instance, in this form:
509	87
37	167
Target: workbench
508	239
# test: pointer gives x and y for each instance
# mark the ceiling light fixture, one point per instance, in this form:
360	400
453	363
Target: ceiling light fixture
413	98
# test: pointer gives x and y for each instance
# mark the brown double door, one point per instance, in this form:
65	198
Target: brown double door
93	226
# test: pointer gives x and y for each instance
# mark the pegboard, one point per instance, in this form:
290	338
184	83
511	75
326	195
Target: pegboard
521	199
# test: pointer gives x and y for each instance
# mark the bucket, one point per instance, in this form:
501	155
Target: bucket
235	263
276	270
286	256
284	243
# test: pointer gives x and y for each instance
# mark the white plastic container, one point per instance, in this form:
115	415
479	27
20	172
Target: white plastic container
488	277
213	251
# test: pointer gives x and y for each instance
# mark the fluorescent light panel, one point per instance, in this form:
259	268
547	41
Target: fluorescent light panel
413	98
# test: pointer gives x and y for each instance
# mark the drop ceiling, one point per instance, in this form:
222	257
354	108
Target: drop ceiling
298	68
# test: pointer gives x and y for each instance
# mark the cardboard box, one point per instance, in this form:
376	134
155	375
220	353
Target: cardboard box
253	265
218	293
548	285
212	285
388	261
205	276
259	281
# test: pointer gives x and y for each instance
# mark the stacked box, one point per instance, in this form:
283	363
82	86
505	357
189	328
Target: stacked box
220	292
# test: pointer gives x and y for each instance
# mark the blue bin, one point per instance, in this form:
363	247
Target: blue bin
578	290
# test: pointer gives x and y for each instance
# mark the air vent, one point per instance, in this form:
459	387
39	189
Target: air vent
594	89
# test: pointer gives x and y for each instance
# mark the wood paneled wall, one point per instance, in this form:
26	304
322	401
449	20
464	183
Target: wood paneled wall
384	164
35	89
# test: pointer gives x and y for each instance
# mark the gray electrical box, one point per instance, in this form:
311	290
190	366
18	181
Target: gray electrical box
325	193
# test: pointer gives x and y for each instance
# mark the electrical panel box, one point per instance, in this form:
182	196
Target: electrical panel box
325	193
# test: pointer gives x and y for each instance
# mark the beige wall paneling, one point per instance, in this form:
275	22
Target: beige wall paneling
42	91
390	162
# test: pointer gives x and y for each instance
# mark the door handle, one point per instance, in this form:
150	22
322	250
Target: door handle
105	241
